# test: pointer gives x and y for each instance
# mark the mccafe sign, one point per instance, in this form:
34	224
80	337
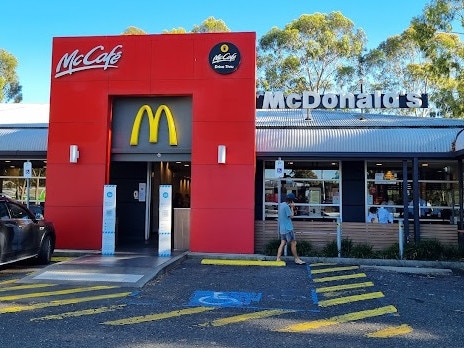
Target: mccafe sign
313	100
97	57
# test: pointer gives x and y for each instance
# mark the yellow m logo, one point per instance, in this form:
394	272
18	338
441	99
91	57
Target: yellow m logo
153	122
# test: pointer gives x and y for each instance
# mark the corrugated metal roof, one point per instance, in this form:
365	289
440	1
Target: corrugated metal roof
23	139
23	129
329	119
321	131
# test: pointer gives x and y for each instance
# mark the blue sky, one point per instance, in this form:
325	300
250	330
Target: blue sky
30	25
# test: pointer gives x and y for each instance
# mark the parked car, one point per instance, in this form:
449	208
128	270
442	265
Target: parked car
37	210
23	235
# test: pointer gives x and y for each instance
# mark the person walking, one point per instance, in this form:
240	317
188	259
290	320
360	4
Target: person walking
287	235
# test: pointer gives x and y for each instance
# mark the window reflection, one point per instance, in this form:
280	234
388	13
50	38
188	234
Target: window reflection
316	186
438	190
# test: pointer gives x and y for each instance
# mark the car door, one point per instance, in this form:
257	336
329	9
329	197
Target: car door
25	236
7	231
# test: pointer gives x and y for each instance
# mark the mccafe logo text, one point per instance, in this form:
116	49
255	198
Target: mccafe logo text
96	58
312	100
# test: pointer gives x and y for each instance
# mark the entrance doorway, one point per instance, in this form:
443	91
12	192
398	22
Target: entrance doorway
137	199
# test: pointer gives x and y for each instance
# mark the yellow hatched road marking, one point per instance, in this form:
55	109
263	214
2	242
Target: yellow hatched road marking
344	287
334	269
91	311
244	317
349	299
61	258
9	281
53	293
28	286
391	331
342	277
56	303
316	324
158	316
242	262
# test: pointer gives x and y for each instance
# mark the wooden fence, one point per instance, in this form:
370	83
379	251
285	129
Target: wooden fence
379	236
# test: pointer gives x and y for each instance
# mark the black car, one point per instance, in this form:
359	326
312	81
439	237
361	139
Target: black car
22	235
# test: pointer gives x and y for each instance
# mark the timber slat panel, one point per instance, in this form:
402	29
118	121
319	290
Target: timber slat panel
379	236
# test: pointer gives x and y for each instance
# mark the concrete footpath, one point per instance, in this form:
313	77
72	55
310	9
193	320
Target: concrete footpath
135	269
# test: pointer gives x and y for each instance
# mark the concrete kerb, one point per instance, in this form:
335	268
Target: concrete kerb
404	266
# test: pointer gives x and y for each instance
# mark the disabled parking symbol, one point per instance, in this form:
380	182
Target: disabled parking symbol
223	298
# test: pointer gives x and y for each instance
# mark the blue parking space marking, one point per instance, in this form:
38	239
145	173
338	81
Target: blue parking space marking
224	298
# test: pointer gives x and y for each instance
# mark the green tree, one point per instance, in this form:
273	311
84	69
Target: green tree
313	52
399	64
437	33
133	31
211	25
10	89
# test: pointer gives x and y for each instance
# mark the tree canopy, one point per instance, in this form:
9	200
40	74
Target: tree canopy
10	89
312	52
327	53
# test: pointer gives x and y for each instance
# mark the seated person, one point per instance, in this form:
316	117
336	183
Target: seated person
372	216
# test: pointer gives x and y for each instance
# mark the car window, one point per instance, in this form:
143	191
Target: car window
18	212
4	211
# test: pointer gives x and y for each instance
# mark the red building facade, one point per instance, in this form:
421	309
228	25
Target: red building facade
213	74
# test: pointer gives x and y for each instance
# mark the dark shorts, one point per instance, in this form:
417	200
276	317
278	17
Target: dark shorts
289	236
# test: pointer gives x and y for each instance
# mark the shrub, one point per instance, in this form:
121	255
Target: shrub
362	251
303	248
271	247
331	249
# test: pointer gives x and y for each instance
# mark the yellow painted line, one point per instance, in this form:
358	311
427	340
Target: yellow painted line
334	269
316	324
245	317
54	293
56	303
91	311
341	277
349	299
391	331
158	316
9	281
344	287
242	262
27	286
61	258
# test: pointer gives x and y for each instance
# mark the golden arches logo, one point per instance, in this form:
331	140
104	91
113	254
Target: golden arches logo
153	122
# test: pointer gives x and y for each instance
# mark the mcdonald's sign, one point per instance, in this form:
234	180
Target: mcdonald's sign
153	122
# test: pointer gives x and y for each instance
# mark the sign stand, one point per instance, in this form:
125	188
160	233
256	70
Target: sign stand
109	220
165	215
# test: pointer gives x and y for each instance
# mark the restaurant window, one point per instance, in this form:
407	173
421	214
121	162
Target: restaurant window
316	186
14	185
438	190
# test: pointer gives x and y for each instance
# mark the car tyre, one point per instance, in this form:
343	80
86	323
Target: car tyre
45	253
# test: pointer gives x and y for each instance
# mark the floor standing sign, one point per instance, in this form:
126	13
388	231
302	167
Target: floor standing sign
165	211
109	220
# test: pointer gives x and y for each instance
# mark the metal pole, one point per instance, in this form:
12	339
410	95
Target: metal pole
28	191
401	238
339	237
